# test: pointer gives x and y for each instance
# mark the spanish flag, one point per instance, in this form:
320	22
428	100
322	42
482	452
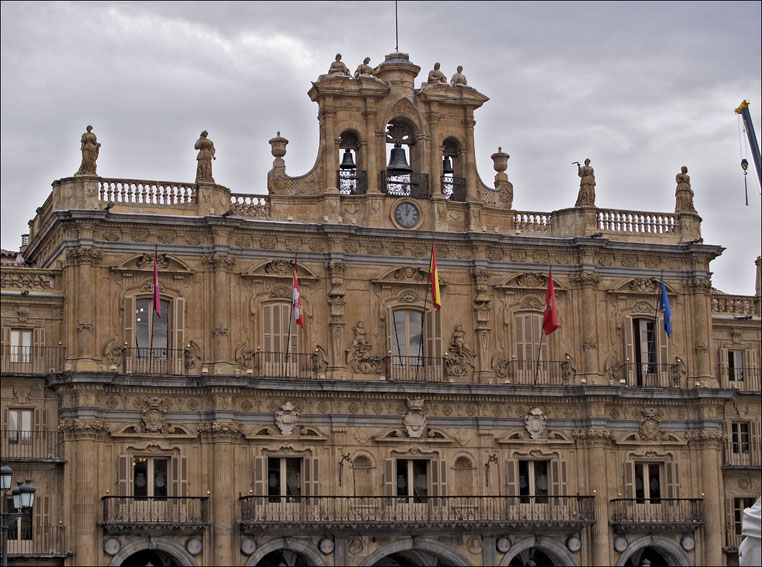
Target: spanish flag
434	280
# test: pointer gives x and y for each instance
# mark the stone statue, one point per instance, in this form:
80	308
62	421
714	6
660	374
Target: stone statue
205	156
338	67
684	193
364	69
459	79
360	337
458	338
436	76
586	196
90	150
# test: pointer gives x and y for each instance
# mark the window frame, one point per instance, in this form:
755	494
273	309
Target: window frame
21	350
151	462
18	434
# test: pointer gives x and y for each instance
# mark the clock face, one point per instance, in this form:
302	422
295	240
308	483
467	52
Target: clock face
407	214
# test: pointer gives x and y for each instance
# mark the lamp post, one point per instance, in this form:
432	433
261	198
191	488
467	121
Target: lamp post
23	500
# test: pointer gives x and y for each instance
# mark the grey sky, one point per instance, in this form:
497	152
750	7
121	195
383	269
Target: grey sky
639	88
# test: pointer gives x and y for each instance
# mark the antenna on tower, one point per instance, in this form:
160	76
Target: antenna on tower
396	30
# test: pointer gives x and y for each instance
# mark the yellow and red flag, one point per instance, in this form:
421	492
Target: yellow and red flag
434	280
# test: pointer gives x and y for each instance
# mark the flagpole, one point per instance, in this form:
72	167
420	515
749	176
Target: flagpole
539	350
423	319
288	339
152	311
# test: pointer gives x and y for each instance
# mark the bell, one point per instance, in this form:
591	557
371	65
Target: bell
398	161
347	162
447	166
744	165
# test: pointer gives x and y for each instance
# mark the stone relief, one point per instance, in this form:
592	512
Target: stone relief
534	422
415	420
650	428
154	418
286	418
459	358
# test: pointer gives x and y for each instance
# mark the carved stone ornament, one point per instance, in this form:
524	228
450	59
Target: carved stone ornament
286	418
154	419
534	421
415	421
459	358
650	429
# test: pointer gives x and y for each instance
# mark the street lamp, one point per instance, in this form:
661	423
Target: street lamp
23	500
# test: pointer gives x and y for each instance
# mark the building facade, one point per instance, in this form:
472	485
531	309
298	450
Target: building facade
384	431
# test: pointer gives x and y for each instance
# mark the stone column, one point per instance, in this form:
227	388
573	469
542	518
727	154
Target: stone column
371	153
469	166
701	288
336	301
330	148
83	260
434	155
711	445
588	282
222	265
597	442
482	310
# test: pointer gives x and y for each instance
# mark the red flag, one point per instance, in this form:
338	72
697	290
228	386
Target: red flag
156	295
550	317
296	302
434	280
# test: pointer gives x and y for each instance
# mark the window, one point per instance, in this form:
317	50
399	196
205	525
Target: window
21	528
21	345
739	504
740	441
413	480
284	479
147	326
407	333
647	356
278	330
362	476
533	481
647	482
150	479
528	329
20	426
735	365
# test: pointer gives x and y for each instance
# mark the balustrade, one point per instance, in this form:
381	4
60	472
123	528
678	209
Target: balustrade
282	365
544	373
146	193
657	514
31	359
251	206
636	222
739	305
527	221
18	445
36	541
162	361
415	368
168	513
648	375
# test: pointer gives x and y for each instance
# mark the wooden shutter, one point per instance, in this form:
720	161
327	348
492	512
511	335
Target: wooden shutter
629	478
129	321
260	476
754	438
179	476
724	368
178	324
433	334
6	346
311	477
41	528
673	480
629	346
438	480
5	425
124	476
389	479
662	351
512	477
730	523
751	369
558	483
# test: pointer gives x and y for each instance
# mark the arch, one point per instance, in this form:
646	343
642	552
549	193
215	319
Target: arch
442	551
671	550
174	549
554	549
296	545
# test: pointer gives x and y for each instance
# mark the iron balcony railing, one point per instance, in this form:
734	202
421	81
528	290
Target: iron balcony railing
657	514
163	361
454	188
36	541
544	373
282	365
32	359
352	182
740	451
415	185
165	514
527	513
31	445
643	375
733	539
415	368
745	378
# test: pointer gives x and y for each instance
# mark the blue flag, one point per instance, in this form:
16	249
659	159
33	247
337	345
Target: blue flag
664	306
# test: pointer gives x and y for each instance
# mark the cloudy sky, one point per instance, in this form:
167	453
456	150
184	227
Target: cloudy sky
639	88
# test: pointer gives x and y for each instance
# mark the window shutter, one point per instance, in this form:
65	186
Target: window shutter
41	535
751	365
663	352
311	477
673	481
512	476
754	433
389	333
179	476
558	477
730	526
124	476
178	324
260	476
433	334
629	479
438	480
129	326
389	479
629	350
5	422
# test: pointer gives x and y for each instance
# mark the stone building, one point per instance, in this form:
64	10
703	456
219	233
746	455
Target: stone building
382	432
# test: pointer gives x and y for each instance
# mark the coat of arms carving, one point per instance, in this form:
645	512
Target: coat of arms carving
534	421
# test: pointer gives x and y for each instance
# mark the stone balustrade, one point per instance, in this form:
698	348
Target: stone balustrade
636	222
29	279
533	222
140	192
251	206
739	305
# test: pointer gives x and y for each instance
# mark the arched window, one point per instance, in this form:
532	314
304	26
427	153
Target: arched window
401	148
352	174
464	476
453	177
362	476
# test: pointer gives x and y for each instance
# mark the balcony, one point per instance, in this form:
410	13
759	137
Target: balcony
561	514
31	446
414	185
671	515
352	182
742	453
161	361
281	365
648	375
32	359
168	514
36	542
454	188
733	538
415	369
530	373
744	379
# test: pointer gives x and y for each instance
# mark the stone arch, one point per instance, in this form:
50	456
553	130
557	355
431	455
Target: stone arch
173	548
442	551
670	549
554	549
291	544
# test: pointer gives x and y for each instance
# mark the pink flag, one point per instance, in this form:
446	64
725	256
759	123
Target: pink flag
156	295
296	302
550	317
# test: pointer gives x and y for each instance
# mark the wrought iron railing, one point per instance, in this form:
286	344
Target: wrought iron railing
282	365
543	373
454	188
36	541
169	513
32	359
415	185
31	445
741	451
163	361
415	368
648	375
662	514
745	378
733	539
422	512
352	182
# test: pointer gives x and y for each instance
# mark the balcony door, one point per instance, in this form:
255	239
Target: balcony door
416	346
279	336
150	483
646	349
20	534
531	347
652	490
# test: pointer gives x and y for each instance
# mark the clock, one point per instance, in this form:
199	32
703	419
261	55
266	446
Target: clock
407	214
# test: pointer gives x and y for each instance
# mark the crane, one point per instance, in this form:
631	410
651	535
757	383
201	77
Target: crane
743	110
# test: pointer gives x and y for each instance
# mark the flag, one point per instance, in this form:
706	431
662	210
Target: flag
550	317
434	280
156	294
664	306
296	301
